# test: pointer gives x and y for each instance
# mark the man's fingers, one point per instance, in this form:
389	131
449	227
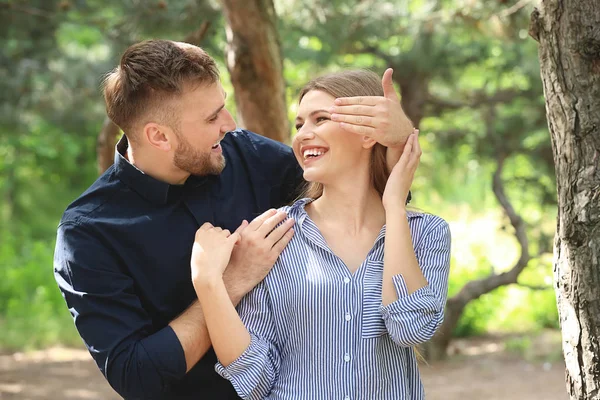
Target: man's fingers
388	86
281	230
358	129
281	243
258	221
271	223
354	109
354	119
358	100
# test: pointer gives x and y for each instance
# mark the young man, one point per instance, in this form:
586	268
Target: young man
123	248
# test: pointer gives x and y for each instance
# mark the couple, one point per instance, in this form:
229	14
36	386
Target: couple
337	316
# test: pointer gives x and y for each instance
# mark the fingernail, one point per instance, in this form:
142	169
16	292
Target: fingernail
334	117
338	101
332	109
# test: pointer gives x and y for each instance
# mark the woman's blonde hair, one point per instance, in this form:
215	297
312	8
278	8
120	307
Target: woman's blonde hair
349	84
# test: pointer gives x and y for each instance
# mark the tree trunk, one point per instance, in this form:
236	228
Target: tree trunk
105	145
569	49
255	64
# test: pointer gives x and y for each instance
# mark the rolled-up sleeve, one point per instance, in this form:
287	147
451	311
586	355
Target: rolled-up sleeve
414	318
255	371
138	361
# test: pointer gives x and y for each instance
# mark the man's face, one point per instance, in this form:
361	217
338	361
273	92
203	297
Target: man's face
204	121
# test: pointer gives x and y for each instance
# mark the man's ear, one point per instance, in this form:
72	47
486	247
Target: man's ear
368	142
158	136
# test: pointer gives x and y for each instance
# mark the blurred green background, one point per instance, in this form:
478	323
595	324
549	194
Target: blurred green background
469	67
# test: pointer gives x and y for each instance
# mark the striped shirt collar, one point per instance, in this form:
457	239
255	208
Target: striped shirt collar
298	212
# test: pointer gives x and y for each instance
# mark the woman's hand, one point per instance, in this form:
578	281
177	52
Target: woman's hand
378	117
211	253
401	177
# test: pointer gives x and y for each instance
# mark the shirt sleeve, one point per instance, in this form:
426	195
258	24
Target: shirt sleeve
138	361
414	318
256	370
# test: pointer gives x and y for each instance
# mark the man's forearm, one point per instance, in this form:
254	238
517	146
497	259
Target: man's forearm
190	328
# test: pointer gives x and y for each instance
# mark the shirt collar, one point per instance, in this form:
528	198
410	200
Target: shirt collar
151	189
298	212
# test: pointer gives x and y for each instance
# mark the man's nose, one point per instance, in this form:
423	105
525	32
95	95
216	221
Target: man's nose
229	124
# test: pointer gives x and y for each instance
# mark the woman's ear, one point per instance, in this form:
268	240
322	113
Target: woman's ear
368	142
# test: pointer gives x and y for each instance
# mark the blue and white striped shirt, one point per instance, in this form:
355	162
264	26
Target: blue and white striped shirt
320	332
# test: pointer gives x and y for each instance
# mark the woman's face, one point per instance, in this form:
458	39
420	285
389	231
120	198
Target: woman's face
323	149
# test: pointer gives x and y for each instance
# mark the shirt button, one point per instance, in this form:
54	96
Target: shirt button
348	317
346	280
346	397
347	357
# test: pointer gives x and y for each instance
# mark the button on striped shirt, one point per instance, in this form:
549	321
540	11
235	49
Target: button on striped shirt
319	331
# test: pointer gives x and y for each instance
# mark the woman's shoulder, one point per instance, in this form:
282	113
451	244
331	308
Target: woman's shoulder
297	208
424	223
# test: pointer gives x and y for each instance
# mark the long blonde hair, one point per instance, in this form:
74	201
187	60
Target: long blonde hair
349	84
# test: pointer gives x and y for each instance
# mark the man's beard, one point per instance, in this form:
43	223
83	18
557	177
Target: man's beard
197	162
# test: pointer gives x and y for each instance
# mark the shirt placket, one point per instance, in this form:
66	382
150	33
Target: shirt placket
349	318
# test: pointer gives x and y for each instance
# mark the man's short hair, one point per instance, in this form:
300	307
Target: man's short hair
150	74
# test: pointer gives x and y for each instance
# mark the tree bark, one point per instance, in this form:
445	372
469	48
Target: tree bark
568	32
105	145
256	67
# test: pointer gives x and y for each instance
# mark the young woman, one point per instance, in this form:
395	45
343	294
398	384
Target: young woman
361	283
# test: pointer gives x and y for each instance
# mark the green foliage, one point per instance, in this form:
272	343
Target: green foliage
32	311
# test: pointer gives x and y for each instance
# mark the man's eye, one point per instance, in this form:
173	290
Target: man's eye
298	127
213	119
321	119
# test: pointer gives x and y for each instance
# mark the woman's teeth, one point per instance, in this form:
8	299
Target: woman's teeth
313	153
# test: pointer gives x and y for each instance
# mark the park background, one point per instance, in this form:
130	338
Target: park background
469	77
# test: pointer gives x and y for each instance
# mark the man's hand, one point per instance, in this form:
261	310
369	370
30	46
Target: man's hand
380	118
211	253
261	242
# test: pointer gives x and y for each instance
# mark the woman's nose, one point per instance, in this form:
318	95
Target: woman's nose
305	133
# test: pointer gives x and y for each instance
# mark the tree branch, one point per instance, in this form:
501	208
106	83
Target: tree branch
535	287
513	9
28	10
196	36
475	100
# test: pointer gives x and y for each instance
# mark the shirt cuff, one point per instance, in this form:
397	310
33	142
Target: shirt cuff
246	361
422	300
166	353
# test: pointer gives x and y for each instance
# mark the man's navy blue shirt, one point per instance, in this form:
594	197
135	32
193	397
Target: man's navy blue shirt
122	261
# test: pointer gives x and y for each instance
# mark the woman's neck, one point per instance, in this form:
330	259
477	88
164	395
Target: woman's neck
351	208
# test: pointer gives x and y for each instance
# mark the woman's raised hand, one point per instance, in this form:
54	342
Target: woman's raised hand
401	176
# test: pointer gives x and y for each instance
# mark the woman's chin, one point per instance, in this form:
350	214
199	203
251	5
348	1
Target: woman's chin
310	176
